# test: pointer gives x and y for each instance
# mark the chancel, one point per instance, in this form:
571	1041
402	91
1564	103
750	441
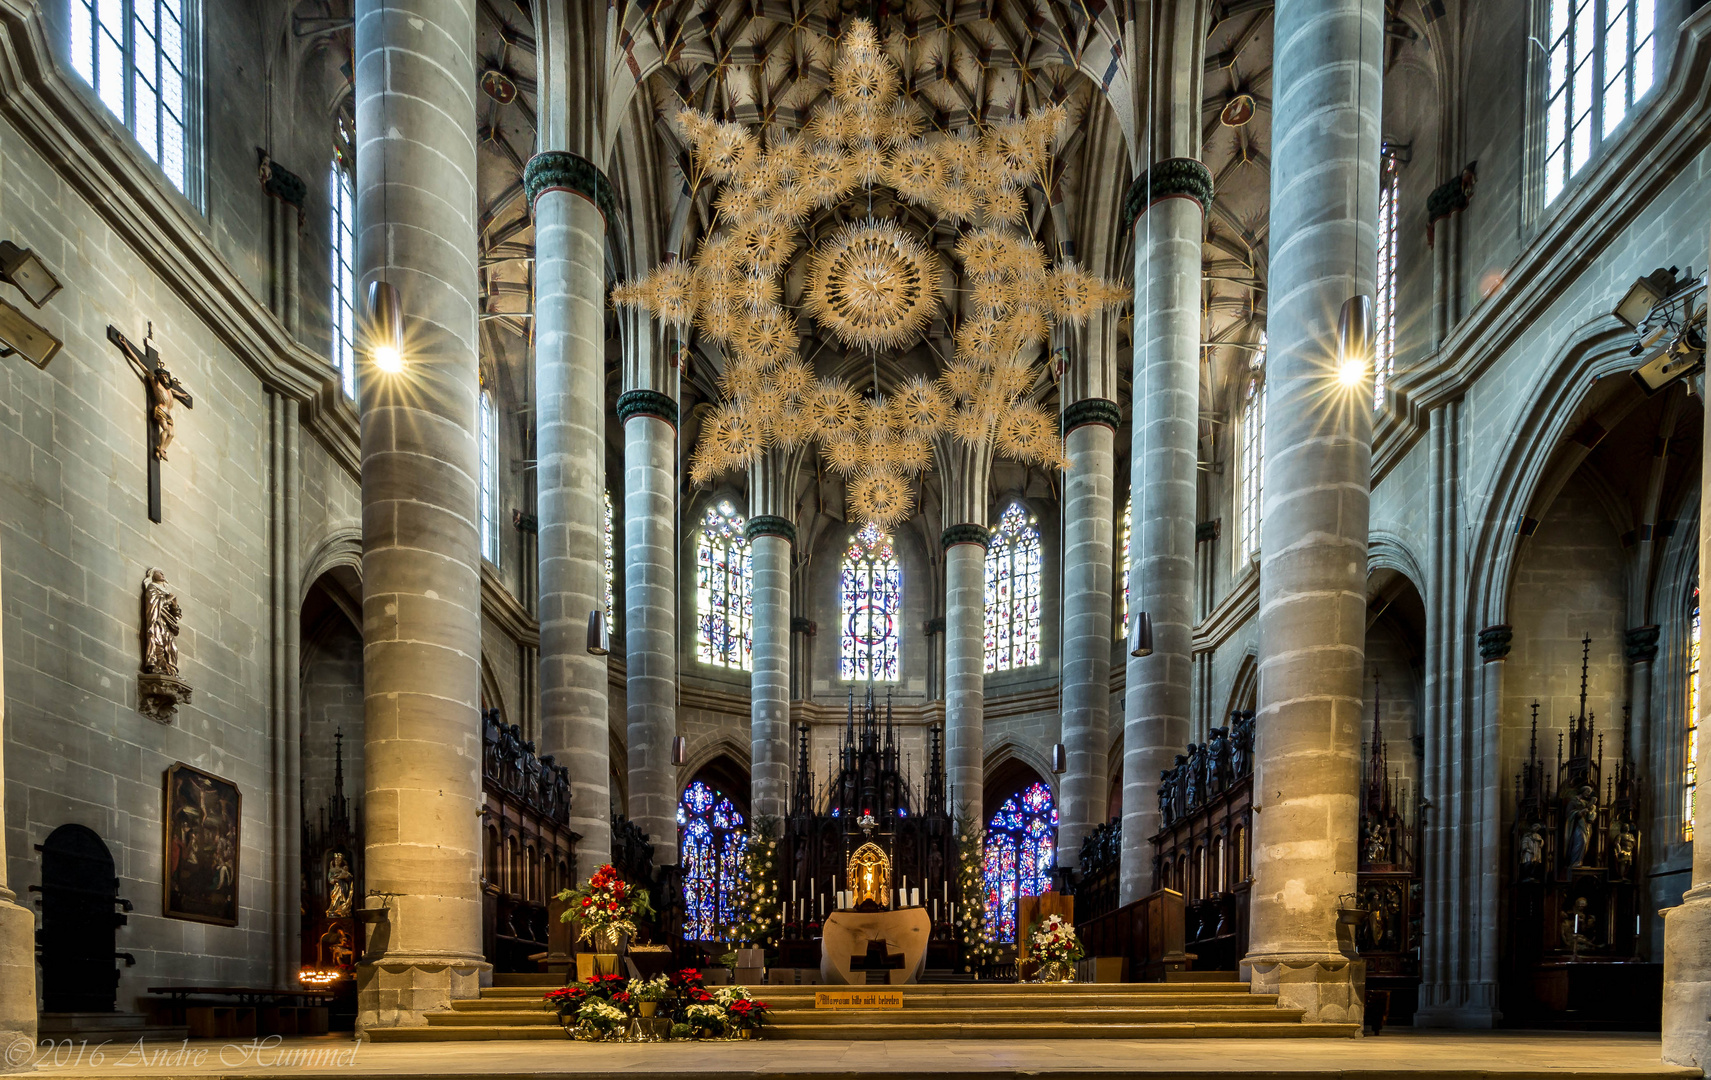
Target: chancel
1063	537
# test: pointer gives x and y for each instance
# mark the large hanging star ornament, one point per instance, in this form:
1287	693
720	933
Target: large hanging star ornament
872	284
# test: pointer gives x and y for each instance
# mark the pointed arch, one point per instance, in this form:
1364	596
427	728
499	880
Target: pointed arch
1013	573
870	606
724	631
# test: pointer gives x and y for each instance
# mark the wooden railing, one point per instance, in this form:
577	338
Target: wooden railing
1147	933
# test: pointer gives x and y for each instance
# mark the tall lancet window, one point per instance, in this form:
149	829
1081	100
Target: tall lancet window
1598	60
1013	592
341	197
711	837
1384	314
1690	775
724	608
606	496
488	434
1252	435
871	601
1128	530
1021	849
132	53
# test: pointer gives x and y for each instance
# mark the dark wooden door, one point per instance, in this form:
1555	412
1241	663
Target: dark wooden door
77	942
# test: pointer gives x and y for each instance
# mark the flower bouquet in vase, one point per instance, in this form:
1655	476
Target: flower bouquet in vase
604	912
598	1019
648	993
745	1016
1053	943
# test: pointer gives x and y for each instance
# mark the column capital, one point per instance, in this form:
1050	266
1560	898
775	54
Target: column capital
1172	177
1494	642
966	533
646	403
561	170
1640	644
770	525
1091	411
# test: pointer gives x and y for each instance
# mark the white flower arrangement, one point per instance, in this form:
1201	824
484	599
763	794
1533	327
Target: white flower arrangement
724	995
707	1018
657	988
600	1016
1054	941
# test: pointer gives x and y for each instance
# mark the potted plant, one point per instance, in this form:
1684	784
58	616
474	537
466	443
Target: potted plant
599	1019
604	912
1053	943
746	1016
648	993
566	999
706	1019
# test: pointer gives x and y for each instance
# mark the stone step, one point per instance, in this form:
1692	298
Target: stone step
514	1018
498	1004
1032	989
780	1003
1090	1029
437	1033
543	979
892	1018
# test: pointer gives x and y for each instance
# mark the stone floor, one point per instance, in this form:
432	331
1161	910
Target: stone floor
1405	1054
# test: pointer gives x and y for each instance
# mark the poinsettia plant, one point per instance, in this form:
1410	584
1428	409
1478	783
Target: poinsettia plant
746	1013
607	906
1053	941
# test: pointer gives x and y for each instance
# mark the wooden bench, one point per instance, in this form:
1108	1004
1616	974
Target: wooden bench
239	1012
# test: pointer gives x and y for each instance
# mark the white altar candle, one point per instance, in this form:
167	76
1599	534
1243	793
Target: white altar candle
792	890
914	897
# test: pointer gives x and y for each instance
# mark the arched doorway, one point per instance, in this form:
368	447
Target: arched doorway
712	838
79	939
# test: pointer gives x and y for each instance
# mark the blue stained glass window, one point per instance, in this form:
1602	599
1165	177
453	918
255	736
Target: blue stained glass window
871	595
1021	849
1128	530
1013	592
723	605
712	837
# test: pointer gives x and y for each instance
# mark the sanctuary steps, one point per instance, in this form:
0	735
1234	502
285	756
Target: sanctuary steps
984	1010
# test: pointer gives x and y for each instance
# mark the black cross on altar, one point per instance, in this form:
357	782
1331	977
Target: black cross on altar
163	391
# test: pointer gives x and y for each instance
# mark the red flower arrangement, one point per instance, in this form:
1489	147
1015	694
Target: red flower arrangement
745	1013
608	906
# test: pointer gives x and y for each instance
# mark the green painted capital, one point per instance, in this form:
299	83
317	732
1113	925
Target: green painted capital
1494	642
561	170
646	403
1092	411
966	534
1172	176
770	525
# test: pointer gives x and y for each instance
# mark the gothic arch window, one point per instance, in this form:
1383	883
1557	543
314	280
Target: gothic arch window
341	198
1384	315
135	55
1013	592
487	432
723	606
1690	774
1599	58
870	602
1021	849
712	837
1253	455
606	497
1128	531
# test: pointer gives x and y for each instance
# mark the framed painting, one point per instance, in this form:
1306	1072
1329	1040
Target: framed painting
203	813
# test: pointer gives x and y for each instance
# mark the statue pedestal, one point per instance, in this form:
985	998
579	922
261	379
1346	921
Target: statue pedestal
846	934
159	696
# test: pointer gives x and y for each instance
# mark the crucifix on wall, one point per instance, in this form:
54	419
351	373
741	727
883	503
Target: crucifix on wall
164	391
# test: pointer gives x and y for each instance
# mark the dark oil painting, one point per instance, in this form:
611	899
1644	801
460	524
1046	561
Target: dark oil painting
202	817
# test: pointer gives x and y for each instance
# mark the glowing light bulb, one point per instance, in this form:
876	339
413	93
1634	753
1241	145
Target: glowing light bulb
1351	372
388	359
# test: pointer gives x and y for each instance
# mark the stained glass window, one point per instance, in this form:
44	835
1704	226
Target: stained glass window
1384	344
1128	529
606	496
1598	63
488	434
723	607
132	54
711	838
1021	849
1013	592
1253	454
342	240
1690	776
871	596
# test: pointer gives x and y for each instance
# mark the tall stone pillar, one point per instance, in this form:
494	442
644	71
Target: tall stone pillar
1163	486
1090	424
572	202
771	532
965	471
1494	645
650	613
421	607
1312	602
17	931
1687	928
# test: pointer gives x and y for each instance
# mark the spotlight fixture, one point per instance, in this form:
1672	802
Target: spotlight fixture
1354	340
1059	758
679	751
19	333
385	327
1669	326
1140	634
599	638
20	268
1643	295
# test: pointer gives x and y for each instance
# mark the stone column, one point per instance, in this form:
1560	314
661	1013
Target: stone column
415	76
1312	602
650	613
1641	648
771	532
1090	431
964	471
17	931
1687	928
572	201
1494	644
1163	487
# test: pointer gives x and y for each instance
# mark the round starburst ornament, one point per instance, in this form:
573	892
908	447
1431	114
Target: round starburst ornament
873	285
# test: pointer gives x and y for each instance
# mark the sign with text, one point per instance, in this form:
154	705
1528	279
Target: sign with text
858	999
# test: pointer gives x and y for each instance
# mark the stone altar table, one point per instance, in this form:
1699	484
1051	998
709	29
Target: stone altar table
846	934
